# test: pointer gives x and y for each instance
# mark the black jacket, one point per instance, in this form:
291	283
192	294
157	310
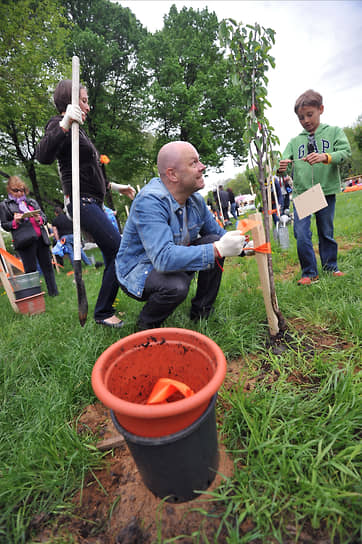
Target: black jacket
224	198
8	207
57	144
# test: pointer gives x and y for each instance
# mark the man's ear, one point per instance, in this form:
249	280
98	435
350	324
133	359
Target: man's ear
321	109
171	174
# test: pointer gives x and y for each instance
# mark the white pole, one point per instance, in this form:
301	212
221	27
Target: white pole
75	163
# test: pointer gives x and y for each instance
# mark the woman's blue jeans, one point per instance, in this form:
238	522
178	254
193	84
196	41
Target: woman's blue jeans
95	221
327	245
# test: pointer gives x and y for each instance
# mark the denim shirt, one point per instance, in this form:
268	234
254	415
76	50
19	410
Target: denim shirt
153	233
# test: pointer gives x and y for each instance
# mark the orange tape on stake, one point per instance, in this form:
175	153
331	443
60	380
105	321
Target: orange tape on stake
165	387
218	220
244	225
270	212
264	248
12	260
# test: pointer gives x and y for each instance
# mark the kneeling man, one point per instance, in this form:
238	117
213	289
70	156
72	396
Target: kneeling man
169	235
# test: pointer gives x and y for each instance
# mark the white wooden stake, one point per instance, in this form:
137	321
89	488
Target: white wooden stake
258	236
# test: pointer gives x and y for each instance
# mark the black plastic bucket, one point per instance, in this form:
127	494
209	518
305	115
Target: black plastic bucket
29	292
174	467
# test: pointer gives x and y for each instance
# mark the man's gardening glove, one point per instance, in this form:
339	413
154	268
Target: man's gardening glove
72	113
230	245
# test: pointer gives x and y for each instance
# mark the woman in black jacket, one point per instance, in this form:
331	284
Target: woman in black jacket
57	145
29	235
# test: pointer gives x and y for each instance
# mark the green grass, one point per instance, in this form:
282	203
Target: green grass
297	457
296	444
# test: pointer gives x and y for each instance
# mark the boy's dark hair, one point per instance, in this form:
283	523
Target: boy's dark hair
63	94
308	98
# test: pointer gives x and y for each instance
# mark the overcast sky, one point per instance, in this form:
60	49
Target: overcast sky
318	46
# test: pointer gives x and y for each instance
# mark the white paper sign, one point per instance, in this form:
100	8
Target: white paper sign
310	201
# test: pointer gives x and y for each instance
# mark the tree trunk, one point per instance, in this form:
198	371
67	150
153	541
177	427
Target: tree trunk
30	169
274	302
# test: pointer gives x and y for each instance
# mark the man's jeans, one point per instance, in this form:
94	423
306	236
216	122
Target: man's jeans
95	221
69	242
327	245
165	291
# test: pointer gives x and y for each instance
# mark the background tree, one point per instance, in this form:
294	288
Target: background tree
32	53
106	38
191	95
244	182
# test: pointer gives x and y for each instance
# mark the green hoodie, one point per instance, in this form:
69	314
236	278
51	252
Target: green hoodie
330	140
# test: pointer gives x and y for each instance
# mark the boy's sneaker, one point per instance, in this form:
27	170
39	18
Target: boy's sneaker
308	281
338	273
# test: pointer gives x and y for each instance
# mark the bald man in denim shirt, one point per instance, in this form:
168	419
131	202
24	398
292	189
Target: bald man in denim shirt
169	235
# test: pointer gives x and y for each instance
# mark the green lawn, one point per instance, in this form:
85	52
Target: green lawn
295	436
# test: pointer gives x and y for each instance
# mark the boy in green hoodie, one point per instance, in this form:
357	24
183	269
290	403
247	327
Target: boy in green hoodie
324	148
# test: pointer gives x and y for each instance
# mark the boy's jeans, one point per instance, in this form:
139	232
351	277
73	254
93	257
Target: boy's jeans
69	241
327	245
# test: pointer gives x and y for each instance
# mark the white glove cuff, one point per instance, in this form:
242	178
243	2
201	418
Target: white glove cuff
64	125
118	186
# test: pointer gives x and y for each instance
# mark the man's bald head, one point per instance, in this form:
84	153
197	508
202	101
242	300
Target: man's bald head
171	155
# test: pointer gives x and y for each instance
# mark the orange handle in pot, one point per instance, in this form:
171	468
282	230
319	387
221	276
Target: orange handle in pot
165	387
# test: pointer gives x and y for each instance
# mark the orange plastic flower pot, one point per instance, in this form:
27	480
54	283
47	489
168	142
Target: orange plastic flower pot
125	374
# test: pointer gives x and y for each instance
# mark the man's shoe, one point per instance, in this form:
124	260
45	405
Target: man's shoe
196	315
117	325
338	274
308	281
141	326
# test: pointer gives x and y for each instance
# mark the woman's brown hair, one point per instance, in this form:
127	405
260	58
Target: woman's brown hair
63	94
14	182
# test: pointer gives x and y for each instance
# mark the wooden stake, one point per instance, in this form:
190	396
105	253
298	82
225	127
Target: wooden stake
2	246
8	289
110	443
258	237
4	279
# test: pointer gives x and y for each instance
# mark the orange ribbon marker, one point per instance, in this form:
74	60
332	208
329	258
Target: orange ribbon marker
270	212
11	259
165	387
264	248
244	225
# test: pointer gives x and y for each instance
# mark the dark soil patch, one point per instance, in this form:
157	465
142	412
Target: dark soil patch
306	338
115	507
